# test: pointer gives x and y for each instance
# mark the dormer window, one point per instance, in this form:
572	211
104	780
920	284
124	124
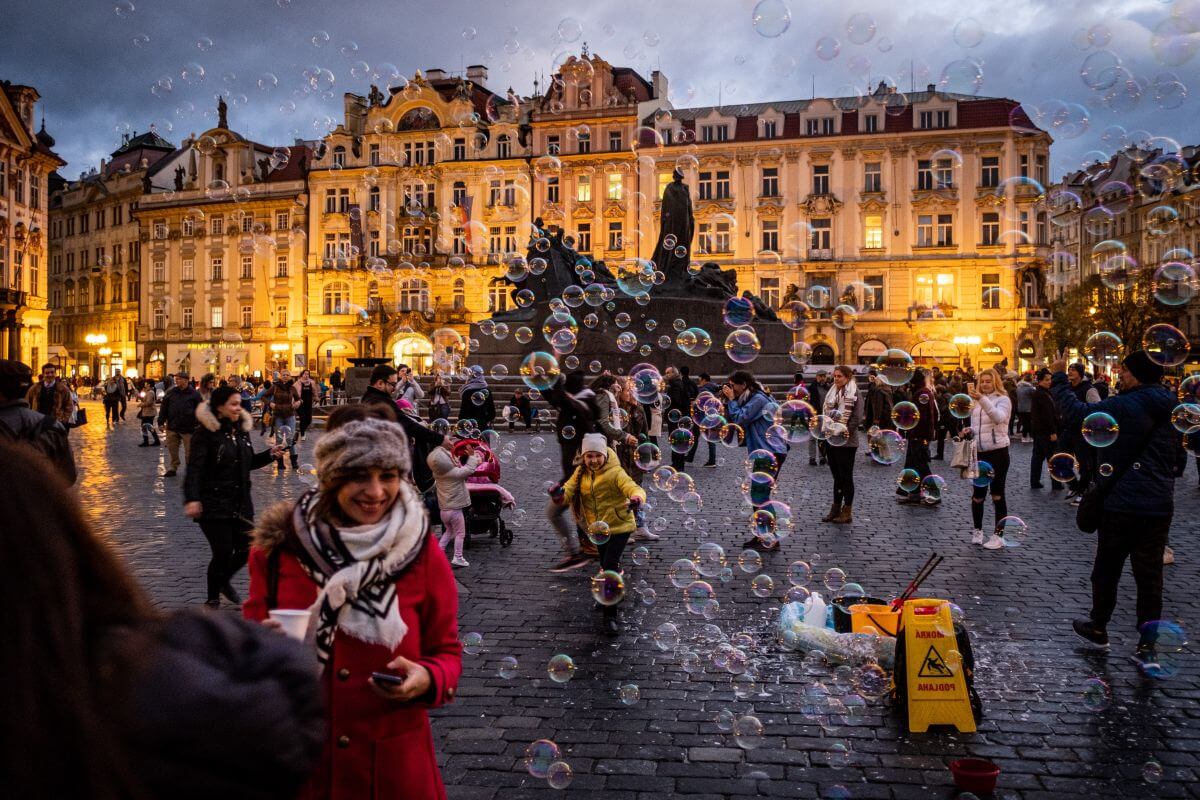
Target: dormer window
503	146
714	133
339	157
770	129
935	119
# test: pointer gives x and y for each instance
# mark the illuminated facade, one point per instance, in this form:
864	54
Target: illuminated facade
223	242
95	262
26	163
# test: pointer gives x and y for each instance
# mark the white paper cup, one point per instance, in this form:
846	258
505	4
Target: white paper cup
293	621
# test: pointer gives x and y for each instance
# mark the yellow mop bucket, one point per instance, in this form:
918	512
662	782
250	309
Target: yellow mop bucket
880	620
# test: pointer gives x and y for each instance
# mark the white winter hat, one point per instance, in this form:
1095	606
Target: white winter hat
595	443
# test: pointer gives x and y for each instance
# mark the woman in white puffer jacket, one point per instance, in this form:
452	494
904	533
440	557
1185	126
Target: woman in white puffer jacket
989	428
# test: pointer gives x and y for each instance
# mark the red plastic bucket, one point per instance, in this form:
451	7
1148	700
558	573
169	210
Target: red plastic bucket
976	775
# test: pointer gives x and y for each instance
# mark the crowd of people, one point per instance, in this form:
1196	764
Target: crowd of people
358	560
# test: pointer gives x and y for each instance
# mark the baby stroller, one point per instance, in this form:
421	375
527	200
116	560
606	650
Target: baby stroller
488	497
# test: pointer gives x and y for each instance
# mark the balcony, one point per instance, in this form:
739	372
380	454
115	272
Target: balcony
1039	314
820	254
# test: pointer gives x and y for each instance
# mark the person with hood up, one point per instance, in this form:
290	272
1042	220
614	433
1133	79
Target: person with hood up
476	401
1138	496
603	497
216	487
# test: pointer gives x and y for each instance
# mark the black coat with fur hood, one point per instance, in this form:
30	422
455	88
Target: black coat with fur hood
219	465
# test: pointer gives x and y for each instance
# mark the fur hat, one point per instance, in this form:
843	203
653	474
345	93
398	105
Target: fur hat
595	443
362	444
1143	368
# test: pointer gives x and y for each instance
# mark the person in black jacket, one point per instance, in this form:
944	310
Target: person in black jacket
916	455
817	390
1043	425
681	391
216	488
577	415
421	439
178	414
111	699
476	402
19	422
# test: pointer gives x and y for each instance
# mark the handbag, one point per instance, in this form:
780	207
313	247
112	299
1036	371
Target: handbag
1090	510
80	417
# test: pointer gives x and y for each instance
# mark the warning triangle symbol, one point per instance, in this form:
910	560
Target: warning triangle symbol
934	666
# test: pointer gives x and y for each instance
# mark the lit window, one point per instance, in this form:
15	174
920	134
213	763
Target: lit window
873	231
615	186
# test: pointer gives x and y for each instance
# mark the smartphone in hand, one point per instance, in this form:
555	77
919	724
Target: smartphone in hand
387	679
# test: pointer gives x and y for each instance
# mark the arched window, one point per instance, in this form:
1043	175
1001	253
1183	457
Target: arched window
503	146
373	296
70	303
84	296
219	171
336	298
117	286
414	295
133	287
339	156
460	294
373	199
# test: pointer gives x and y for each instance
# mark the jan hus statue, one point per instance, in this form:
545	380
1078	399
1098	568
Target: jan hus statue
679	224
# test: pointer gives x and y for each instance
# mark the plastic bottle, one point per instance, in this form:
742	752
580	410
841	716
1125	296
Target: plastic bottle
814	611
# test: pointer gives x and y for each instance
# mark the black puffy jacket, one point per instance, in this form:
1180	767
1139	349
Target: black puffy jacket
222	708
219	465
178	409
45	434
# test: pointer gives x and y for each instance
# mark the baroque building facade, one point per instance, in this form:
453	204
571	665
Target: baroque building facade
27	161
925	213
222	229
95	262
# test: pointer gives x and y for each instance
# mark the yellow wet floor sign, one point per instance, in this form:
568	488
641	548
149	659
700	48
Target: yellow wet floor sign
937	688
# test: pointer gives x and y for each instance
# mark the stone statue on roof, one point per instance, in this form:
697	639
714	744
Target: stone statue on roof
375	98
222	112
179	173
264	169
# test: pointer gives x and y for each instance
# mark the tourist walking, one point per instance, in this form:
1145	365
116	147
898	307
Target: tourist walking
147	410
19	422
450	478
817	390
680	392
988	426
110	699
636	426
748	406
476	402
1026	389
609	413
1043	427
708	387
1069	437
916	453
439	399
1136	499
282	397
177	412
840	434
216	487
52	396
357	553
879	404
114	393
575	404
305	391
599	491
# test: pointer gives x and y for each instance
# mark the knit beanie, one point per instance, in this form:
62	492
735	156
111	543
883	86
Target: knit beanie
595	443
362	444
1143	368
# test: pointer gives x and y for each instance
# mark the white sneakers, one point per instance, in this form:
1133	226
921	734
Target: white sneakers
645	535
976	537
994	542
459	561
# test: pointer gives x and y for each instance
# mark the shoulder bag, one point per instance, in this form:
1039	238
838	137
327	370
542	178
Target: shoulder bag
1091	505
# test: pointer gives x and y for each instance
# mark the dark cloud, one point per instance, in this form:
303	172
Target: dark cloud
95	68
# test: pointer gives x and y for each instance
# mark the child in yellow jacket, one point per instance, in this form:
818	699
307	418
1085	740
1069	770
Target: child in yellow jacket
603	496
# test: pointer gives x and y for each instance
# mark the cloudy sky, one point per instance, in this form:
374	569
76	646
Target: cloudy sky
1095	73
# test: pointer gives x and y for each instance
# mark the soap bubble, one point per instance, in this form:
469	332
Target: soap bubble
886	447
1152	771
1103	346
559	775
737	312
871	680
681	440
1013	529
724	720
895	367
709	559
1174	283
1100	429
961	406
742	346
666	636
771	18
472	643
539	370
608	588
827	49
697	595
750	561
647	456
682	572
906	415
909	480
1097	695
834	579
1185	417
1166	345
762	585
540	755
694	341
629	694
860	28
932	488
1063	467
508	667
799	573
748	732
987	473
561	668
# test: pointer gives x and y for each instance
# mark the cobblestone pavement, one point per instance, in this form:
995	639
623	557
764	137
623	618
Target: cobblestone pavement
1048	724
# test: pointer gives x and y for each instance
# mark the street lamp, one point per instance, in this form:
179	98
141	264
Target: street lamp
96	340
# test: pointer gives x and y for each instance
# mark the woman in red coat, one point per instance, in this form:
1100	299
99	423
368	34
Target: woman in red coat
357	552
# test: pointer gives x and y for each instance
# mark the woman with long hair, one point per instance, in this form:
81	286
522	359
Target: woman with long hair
216	488
748	405
356	553
110	700
439	399
635	425
840	432
989	427
305	390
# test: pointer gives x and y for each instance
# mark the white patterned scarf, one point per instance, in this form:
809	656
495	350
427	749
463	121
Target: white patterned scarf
357	568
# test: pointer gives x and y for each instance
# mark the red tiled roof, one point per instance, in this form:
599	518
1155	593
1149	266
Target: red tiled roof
626	78
293	170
